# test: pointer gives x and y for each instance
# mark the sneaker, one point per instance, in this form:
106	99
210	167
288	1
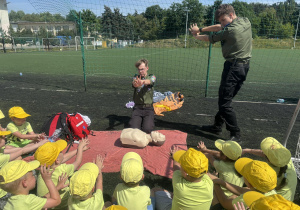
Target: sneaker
236	138
212	129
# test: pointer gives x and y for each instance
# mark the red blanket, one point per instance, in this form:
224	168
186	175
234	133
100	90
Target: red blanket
155	158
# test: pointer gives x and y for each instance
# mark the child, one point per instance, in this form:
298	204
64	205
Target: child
82	185
21	131
143	111
193	189
259	201
279	158
129	194
51	155
258	176
17	178
229	152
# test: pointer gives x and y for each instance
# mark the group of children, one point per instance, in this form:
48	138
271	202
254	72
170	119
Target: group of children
239	182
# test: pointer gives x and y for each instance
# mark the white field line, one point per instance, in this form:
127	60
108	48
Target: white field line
258	102
58	90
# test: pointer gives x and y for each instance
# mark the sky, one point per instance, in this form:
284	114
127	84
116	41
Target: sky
97	6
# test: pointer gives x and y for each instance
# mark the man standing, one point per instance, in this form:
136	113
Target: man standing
235	35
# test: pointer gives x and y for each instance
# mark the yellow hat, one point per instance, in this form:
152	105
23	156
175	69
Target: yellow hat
116	207
258	201
17	112
5	133
277	154
1	114
48	153
132	168
193	162
230	148
16	169
259	174
83	181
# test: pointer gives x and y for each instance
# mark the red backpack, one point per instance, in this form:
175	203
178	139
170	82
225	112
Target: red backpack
78	126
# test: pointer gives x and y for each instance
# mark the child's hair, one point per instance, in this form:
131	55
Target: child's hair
224	9
11	187
139	62
132	184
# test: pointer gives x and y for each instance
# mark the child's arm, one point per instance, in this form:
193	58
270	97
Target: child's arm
31	135
231	187
78	159
201	146
54	199
176	165
69	155
223	199
256	152
61	183
21	151
99	163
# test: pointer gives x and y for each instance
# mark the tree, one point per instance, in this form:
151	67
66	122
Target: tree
154	11
107	21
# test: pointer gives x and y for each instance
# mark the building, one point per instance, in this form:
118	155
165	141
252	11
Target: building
51	27
4	21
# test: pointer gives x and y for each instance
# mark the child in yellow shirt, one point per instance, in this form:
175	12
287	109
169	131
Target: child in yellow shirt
17	178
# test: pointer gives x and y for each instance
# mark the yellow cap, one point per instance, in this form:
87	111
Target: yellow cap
277	154
83	181
258	201
17	112
193	162
116	207
5	133
259	174
48	153
1	114
132	168
229	148
16	169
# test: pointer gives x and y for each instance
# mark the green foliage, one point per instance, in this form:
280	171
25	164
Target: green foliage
268	21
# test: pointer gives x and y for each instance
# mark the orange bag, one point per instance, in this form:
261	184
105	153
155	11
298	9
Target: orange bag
170	103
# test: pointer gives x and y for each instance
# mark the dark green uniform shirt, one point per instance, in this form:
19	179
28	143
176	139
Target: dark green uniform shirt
144	94
236	39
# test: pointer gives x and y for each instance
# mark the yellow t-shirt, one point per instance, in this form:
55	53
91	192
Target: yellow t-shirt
191	195
95	202
4	158
227	173
133	198
23	129
241	200
30	201
42	189
288	191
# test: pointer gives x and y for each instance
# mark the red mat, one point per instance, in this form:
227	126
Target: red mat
155	158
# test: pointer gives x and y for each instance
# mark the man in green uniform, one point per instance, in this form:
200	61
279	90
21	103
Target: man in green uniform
143	112
235	35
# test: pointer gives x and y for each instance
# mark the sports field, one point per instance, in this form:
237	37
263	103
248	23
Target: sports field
52	82
273	74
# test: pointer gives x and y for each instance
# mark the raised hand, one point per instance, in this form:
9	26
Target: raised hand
46	172
61	181
201	146
99	162
83	143
194	29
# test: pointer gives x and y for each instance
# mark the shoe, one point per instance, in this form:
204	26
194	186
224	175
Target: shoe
235	138
212	129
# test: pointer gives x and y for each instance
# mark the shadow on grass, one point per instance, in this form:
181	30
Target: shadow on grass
115	121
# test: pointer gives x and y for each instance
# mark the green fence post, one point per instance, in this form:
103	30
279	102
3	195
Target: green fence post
82	50
209	56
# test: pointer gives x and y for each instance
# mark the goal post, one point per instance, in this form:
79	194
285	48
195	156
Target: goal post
52	43
25	44
88	42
